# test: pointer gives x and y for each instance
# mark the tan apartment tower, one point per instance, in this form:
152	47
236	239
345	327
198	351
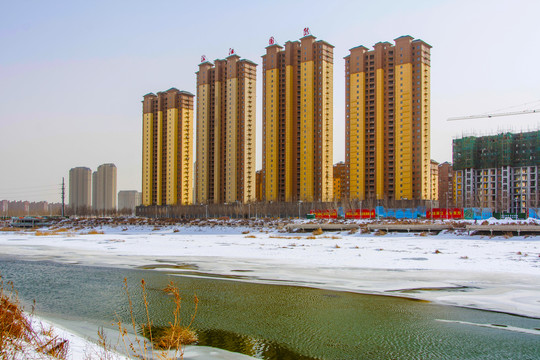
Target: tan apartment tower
104	188
80	190
387	109
298	120
167	177
446	184
226	131
340	177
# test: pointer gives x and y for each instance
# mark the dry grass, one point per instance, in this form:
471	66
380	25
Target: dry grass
95	232
18	339
380	233
7	228
162	338
250	236
317	232
61	231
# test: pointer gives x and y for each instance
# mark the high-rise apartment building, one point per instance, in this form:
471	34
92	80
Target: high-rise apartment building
258	185
388	120
226	130
167	177
340	177
434	180
298	120
500	171
4	207
446	184
80	189
104	188
128	200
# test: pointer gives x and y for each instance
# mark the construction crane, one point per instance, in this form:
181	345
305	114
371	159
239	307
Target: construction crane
480	116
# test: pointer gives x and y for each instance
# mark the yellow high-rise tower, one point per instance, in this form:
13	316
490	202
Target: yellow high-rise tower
226	131
387	138
167	148
298	120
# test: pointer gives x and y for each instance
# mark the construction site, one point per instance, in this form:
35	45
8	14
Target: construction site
497	171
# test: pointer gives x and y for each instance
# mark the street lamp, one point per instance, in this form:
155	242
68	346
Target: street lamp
299	208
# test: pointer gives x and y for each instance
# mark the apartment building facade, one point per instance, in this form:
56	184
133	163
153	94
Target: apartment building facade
434	180
80	189
225	170
387	110
298	120
446	185
168	122
340	177
128	200
104	188
498	171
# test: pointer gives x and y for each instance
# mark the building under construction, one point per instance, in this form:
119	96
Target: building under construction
498	171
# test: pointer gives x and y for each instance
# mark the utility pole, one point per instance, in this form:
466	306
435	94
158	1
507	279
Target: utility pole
63	197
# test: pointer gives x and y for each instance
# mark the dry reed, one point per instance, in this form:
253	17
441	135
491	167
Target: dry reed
162	338
18	339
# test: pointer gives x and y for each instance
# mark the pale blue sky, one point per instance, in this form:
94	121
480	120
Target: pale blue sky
73	73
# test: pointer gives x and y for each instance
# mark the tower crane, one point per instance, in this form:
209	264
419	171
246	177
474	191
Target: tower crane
480	116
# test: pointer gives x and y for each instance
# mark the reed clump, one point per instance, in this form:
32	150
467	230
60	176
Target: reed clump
165	339
7	228
60	231
95	232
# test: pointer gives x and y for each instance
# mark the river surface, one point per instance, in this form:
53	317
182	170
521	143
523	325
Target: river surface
277	321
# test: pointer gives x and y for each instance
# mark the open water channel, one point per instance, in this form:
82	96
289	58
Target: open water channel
278	321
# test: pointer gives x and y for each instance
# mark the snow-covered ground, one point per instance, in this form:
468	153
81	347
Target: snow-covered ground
81	348
500	274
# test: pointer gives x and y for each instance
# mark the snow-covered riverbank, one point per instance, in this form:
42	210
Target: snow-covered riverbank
500	274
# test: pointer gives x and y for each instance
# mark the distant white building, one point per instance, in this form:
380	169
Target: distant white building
80	189
129	200
104	188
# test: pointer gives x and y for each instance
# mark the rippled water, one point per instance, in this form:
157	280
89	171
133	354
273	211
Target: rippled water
280	322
